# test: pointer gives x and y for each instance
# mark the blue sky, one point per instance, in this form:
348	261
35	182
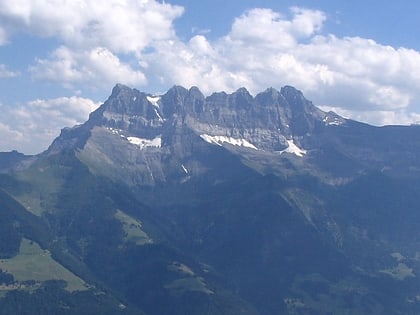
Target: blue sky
59	60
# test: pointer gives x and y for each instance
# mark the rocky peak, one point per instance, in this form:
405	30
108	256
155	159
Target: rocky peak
174	99
299	104
149	134
179	100
299	112
120	89
128	109
270	121
268	97
126	101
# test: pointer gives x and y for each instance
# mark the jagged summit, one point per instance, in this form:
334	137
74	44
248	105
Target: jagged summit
269	121
148	134
286	110
172	124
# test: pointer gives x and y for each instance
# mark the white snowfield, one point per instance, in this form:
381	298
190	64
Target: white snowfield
145	143
154	100
142	143
158	115
219	140
294	149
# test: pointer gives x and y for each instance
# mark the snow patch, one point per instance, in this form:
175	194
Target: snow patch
142	143
114	131
337	123
154	100
158	115
146	143
293	149
185	169
219	140
332	121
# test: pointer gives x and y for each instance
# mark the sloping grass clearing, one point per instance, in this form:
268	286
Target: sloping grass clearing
34	263
133	229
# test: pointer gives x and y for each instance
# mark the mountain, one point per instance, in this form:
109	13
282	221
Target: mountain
226	204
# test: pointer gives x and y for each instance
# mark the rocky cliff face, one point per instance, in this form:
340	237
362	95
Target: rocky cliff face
155	136
267	120
146	130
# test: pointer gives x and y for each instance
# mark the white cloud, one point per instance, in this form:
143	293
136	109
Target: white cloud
267	28
192	63
97	67
259	51
73	109
120	25
389	97
93	36
307	22
31	127
8	133
262	28
6	73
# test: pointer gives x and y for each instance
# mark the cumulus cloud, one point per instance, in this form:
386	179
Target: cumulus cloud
97	67
267	28
31	127
93	36
121	25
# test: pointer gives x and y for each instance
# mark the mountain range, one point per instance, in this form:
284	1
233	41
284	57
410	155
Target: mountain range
226	204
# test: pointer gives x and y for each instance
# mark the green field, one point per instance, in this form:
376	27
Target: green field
34	263
133	229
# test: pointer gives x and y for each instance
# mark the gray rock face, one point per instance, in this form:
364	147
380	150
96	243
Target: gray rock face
13	160
267	120
147	139
144	134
